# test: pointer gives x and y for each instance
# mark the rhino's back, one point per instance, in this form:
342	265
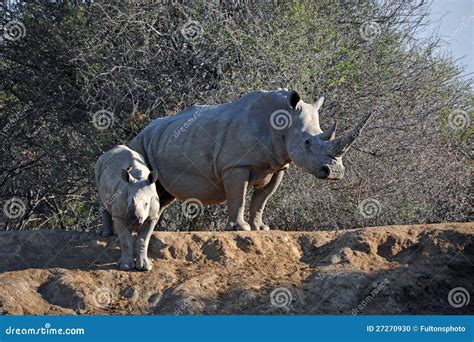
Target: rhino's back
191	149
202	127
117	158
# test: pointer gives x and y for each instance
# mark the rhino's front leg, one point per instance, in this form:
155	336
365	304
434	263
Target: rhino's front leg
235	185
143	263
259	200
126	262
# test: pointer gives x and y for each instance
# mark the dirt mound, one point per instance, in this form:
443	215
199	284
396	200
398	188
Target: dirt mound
379	270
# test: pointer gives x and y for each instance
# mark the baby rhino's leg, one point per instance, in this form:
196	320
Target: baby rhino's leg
126	262
143	263
107	229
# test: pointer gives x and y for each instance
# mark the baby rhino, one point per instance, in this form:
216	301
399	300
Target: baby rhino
129	200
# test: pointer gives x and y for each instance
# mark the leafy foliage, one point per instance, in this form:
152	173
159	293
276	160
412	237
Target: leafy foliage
135	61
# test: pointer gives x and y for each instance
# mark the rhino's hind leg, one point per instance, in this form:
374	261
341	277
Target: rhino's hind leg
107	225
235	185
165	200
143	263
259	200
126	262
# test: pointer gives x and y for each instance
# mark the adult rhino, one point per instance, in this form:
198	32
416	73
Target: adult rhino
214	153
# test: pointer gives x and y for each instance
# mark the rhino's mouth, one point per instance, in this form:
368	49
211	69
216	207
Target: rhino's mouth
134	224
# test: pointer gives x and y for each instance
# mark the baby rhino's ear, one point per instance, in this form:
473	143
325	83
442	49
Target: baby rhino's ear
152	177
126	176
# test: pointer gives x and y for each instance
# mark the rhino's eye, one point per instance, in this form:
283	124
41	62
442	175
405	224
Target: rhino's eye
307	143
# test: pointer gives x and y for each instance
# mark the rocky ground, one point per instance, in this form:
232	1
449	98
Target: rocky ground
378	270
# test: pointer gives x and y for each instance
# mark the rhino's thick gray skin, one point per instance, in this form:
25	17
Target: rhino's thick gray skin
214	153
129	199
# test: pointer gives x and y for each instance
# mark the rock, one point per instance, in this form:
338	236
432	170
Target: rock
128	292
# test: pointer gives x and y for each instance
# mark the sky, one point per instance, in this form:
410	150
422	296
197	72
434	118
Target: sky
453	20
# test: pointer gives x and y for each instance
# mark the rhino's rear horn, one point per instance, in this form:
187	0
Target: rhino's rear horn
330	133
342	144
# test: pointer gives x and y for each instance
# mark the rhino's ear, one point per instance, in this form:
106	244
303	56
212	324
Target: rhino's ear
152	177
293	99
318	104
126	177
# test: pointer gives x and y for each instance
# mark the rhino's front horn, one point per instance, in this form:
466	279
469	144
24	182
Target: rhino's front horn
340	145
330	133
